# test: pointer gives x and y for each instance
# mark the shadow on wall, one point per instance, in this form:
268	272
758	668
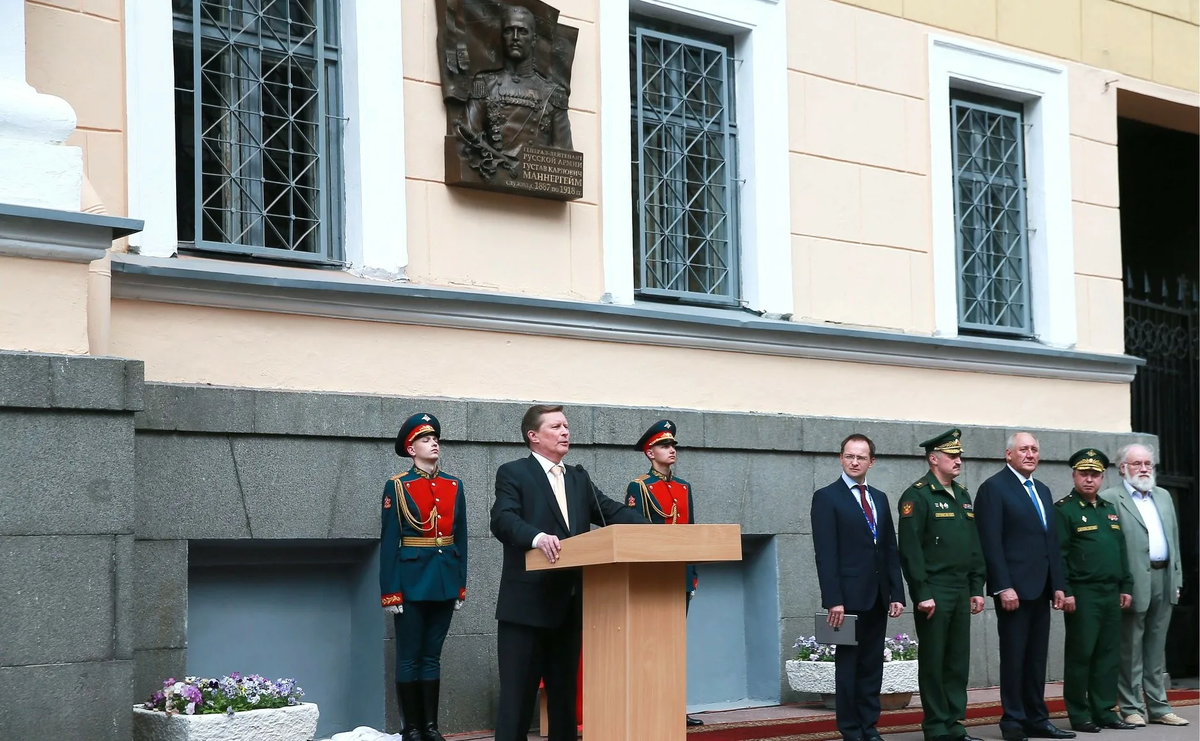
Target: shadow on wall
304	610
733	631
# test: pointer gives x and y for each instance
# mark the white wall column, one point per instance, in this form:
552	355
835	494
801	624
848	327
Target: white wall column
35	169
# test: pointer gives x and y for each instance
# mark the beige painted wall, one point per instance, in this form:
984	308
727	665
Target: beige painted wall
1151	39
858	87
43	306
459	237
238	348
75	49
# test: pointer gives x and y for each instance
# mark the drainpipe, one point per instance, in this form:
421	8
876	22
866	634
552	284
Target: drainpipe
99	293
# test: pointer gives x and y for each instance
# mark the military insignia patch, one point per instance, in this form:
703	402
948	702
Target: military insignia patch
632	502
387	502
1114	518
906	509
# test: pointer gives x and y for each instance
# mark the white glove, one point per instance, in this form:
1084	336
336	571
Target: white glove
692	593
394	609
458	603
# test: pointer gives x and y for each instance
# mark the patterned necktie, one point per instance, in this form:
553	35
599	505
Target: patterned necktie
866	505
560	492
1037	502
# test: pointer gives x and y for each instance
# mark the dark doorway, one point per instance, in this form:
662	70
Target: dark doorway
1160	246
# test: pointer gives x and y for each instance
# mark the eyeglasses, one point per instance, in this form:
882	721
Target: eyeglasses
855	458
1140	464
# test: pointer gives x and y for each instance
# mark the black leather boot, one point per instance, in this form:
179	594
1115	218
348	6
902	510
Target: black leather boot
409	696
430	691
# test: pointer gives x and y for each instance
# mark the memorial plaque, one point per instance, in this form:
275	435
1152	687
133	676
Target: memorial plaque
506	82
542	172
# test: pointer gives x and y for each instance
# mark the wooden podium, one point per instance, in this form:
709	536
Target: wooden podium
634	626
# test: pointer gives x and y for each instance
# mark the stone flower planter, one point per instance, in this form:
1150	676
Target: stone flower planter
899	681
295	723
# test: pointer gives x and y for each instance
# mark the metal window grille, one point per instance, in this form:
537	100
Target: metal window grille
258	127
684	174
989	209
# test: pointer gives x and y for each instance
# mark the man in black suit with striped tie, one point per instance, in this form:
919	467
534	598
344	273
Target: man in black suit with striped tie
1014	514
858	567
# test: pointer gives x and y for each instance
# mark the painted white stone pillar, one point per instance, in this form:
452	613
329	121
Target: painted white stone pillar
35	168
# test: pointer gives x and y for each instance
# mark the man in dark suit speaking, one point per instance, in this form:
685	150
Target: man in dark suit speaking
540	503
858	568
1014	514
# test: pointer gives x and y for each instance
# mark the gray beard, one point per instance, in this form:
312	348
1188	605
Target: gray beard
1143	483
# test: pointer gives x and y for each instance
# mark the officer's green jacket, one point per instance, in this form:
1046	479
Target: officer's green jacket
939	544
1093	546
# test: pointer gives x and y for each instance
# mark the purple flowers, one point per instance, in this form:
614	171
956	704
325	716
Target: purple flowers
898	648
230	694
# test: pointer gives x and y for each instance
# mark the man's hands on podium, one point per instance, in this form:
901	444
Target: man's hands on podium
549	545
895	609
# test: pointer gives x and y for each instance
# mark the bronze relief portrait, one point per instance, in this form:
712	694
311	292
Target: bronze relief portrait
506	82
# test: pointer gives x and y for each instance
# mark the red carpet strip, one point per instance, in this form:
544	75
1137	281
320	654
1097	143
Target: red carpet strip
824	727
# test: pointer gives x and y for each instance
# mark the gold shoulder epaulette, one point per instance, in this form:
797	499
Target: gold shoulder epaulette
643	477
1064	500
919	483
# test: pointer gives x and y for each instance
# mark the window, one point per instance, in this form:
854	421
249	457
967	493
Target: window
258	127
684	138
989	211
1000	174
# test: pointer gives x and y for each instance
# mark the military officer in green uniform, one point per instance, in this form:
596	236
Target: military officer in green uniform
422	570
943	565
661	496
1098	588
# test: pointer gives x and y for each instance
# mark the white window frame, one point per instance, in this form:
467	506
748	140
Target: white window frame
759	30
375	240
1041	87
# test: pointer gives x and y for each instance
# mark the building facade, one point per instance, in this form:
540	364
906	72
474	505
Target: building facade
799	219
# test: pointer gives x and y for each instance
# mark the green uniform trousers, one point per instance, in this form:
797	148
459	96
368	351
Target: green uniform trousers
1092	657
944	661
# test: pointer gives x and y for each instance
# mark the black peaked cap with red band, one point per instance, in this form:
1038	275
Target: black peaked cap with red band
421	423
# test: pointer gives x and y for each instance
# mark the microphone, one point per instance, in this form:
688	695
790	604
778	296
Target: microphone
595	492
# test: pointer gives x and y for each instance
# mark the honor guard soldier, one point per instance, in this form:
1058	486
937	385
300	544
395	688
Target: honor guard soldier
943	565
422	570
1099	586
662	497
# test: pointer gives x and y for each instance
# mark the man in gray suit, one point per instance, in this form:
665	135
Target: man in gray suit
1152	542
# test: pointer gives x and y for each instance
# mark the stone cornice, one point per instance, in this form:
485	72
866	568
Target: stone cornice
68	236
339	295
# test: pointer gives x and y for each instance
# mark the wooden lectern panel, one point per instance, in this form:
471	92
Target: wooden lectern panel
635	638
644	544
634	623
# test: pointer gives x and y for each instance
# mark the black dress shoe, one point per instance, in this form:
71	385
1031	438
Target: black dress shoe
694	721
969	737
872	735
1048	730
1120	725
1014	736
1085	727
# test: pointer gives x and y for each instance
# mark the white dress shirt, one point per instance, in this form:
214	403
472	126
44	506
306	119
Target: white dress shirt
1149	511
548	464
858	499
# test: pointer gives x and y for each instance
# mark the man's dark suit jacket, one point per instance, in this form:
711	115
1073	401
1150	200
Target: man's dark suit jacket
851	569
525	506
1019	553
